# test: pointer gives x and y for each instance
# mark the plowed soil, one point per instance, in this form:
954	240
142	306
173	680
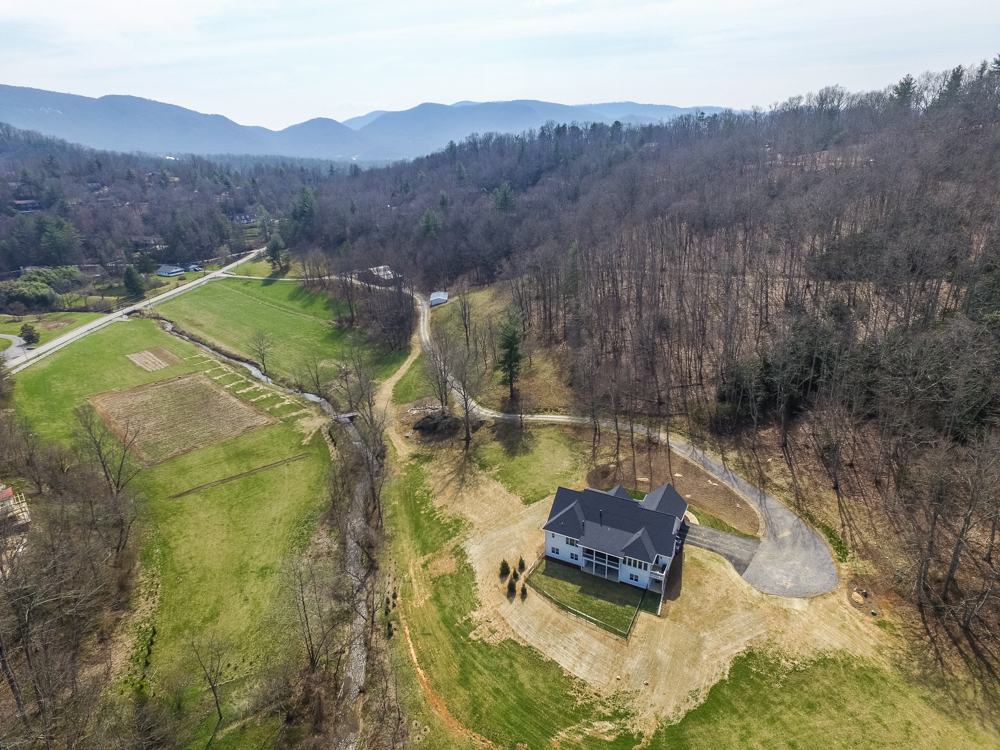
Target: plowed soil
154	359
178	415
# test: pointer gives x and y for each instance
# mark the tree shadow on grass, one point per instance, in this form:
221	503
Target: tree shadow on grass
513	439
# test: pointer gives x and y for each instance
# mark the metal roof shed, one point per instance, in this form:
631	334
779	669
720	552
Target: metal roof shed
438	298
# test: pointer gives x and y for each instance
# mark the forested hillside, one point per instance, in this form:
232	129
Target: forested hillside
830	266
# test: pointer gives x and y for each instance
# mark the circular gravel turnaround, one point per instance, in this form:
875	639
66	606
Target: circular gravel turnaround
16	342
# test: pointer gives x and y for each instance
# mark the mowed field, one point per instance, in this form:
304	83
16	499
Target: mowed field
50	326
724	667
298	320
212	559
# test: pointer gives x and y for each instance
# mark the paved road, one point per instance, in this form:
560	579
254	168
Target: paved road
791	560
25	359
13	350
738	550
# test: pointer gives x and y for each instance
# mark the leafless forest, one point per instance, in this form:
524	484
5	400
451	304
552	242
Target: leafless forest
827	268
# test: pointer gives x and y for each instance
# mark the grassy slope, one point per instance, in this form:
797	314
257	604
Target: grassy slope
262	269
298	320
531	463
768	702
413	385
217	554
9	327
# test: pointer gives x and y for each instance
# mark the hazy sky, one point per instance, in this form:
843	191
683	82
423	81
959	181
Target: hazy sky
275	63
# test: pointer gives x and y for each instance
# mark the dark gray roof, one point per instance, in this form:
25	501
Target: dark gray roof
613	523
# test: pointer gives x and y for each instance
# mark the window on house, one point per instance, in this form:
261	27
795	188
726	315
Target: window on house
633	577
555	550
574	556
571	542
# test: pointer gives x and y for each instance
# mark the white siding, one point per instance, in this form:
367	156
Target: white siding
625	571
556	546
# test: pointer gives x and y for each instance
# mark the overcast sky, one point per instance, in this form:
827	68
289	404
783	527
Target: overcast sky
278	62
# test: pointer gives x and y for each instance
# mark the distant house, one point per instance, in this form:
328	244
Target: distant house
168	271
14	516
243	219
612	536
438	298
27	206
379	275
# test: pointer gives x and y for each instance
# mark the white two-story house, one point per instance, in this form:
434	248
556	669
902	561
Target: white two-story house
611	535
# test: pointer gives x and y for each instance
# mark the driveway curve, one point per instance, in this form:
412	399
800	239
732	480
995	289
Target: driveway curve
791	560
16	342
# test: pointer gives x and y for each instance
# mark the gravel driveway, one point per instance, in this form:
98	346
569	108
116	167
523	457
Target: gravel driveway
15	346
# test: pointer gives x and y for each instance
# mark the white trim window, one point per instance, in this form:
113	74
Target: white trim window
633	577
555	550
574	556
571	542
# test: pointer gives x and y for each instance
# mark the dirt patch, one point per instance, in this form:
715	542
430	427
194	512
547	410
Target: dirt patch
54	324
154	359
693	483
442	564
178	415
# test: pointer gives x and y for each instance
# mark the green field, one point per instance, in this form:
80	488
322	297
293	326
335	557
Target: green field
299	321
608	604
413	386
49	327
531	463
215	556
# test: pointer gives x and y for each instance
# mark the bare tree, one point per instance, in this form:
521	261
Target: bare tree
112	453
464	302
467	381
210	655
436	360
261	345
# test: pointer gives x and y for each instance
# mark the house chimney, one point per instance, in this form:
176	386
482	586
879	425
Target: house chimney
600	515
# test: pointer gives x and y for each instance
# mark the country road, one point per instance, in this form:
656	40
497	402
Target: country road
25	358
15	343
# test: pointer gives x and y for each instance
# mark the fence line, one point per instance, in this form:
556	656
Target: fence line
600	623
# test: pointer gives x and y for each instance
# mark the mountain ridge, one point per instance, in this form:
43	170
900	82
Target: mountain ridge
128	123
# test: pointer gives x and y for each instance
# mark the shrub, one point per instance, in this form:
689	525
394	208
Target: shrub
524	591
29	334
504	569
520	564
514	577
511	587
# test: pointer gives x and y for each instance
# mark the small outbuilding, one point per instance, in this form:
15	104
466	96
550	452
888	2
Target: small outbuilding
438	298
379	276
168	271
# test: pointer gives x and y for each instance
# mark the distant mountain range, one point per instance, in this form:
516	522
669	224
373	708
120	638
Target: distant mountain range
130	123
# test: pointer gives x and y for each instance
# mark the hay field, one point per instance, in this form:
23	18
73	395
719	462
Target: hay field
178	415
154	359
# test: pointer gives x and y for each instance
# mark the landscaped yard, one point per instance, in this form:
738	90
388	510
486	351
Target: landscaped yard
299	321
608	604
531	463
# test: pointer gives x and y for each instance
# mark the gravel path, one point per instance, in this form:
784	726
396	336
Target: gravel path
738	550
791	559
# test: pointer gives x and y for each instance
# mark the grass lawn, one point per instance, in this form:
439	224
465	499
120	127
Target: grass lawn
771	701
51	325
216	555
544	381
4	344
262	269
297	319
413	386
531	463
608	604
